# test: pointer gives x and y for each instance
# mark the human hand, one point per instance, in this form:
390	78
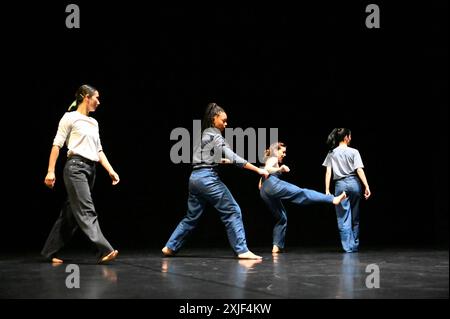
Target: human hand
367	193
115	177
263	172
285	169
50	180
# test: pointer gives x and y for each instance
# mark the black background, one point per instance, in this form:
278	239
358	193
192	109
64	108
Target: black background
303	68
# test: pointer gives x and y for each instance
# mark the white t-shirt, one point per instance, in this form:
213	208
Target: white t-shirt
344	161
81	134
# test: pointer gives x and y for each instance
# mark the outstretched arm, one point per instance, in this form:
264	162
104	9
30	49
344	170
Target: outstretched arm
363	178
272	166
50	178
258	170
105	163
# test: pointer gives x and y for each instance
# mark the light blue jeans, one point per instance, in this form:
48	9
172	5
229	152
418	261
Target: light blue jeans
274	190
205	187
347	212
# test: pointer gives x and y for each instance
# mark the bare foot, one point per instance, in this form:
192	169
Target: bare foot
276	249
111	256
168	252
249	255
57	260
338	199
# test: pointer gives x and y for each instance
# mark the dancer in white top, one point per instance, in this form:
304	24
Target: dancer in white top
81	134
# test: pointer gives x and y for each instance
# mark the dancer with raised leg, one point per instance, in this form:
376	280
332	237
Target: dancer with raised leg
274	190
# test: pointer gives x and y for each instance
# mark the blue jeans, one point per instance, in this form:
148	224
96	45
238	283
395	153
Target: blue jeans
347	212
205	187
274	190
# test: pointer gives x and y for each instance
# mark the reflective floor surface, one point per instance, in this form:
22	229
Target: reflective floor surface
311	273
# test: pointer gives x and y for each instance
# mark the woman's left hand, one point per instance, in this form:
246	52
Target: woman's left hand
367	193
115	178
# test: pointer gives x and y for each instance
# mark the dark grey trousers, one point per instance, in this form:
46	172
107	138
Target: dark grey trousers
78	210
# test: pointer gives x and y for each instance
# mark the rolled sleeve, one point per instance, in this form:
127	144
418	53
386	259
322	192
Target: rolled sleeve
327	161
99	145
64	128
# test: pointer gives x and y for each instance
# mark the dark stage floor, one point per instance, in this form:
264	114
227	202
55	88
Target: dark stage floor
215	274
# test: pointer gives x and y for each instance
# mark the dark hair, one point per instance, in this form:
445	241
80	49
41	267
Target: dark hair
211	111
272	148
336	136
82	92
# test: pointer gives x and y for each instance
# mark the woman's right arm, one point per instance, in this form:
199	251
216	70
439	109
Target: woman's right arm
258	170
50	178
327	180
220	143
64	128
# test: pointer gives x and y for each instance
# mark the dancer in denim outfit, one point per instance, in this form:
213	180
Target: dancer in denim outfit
205	187
273	190
344	163
81	134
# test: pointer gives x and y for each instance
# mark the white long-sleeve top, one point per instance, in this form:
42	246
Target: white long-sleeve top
81	134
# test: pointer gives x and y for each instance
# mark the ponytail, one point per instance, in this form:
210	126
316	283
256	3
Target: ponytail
336	136
72	106
211	111
331	140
